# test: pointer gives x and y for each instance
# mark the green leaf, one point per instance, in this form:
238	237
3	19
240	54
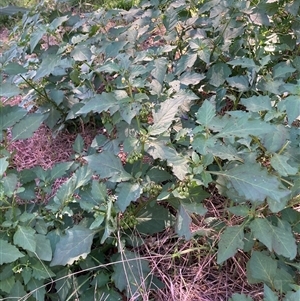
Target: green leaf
163	118
17	292
10	183
99	103
262	267
153	219
10	115
25	238
3	165
27	126
14	69
127	193
107	165
36	36
282	70
41	271
58	21
78	144
242	127
257	103
243	62
49	63
74	245
280	164
9	90
81	53
269	295
240	297
159	149
59	170
183	223
194	207
43	248
218	73
131	273
293	296
159	70
185	62
241	82
8	252
206	113
292	104
99	192
37	289
231	240
254	183
278	239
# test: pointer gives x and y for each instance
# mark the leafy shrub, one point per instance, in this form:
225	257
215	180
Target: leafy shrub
195	95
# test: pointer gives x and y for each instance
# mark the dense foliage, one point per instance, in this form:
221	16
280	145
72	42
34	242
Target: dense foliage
211	101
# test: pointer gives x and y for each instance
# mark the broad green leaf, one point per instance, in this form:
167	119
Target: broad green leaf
292	104
99	192
257	103
277	239
74	245
78	144
9	90
64	283
49	63
14	69
206	113
254	183
262	267
218	73
282	70
65	191
99	103
277	140
280	164
242	127
58	21
127	193
283	280
41	271
241	82
153	219
159	70
223	151
10	183
131	273
107	165
27	126
10	115
36	36
8	252
194	207
186	61
269	295
240	210
243	62
43	248
164	117
202	144
37	289
82	176
129	110
59	170
25	238
183	223
191	78
159	150
3	165
240	297
231	240
7	284
81	53
17	292
292	296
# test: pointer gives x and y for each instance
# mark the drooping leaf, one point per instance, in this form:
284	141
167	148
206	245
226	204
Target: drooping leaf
81	53
262	267
282	70
49	63
3	165
60	169
17	291
37	288
74	245
292	104
9	90
242	127
43	248
218	73
159	150
269	295
8	252
231	240
163	118
25	238
280	164
153	219
254	183
257	103
14	69
99	103
107	165
78	144
127	193
36	36
27	126
206	113
131	273
278	239
183	223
